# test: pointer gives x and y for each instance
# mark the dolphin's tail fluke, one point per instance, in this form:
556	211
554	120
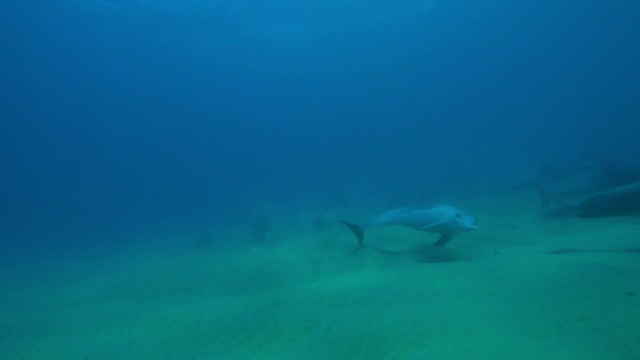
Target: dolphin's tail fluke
356	230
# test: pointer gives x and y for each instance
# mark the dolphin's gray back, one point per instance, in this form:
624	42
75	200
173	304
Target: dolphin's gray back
421	217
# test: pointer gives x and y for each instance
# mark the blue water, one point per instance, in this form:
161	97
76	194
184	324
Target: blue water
127	116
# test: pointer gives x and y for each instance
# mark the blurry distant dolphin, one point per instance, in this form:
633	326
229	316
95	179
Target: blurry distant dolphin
443	219
617	201
558	185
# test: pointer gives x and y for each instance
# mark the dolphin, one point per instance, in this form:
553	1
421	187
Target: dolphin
618	201
555	184
563	189
444	219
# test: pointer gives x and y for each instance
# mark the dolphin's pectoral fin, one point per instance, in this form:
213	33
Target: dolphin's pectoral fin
358	249
356	230
444	238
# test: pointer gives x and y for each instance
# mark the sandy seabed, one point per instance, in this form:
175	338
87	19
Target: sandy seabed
490	294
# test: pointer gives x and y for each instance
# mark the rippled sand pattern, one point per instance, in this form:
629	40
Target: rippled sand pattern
496	295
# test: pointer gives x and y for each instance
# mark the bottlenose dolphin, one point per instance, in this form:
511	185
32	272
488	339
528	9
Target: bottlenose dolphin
617	201
555	184
446	220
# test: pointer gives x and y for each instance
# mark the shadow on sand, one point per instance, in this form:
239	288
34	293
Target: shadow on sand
425	253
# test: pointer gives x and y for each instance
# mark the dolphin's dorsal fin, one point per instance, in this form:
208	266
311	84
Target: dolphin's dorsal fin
444	238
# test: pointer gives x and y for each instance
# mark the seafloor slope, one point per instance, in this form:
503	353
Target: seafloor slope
490	294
